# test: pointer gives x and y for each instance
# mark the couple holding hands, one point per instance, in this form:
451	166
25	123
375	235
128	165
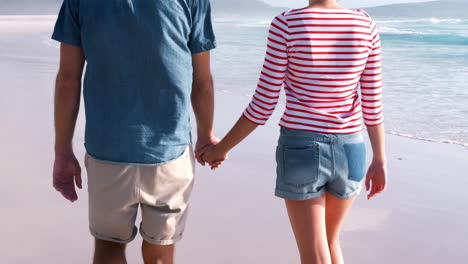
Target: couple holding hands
147	62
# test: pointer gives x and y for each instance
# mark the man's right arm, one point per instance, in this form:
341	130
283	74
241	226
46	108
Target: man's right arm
203	101
67	170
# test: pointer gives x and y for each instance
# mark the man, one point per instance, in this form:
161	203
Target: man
145	60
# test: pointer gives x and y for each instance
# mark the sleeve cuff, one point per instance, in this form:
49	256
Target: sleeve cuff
69	41
251	120
203	48
376	124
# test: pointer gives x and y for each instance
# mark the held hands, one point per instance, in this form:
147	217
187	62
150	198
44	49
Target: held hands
67	173
202	143
207	151
214	156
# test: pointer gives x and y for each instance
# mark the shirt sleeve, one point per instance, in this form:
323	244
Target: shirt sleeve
371	82
273	74
202	37
68	28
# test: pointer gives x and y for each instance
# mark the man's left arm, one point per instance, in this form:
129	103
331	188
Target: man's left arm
203	101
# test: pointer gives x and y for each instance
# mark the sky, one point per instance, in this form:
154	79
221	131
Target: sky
347	3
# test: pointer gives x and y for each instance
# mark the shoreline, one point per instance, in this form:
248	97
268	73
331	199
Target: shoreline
443	141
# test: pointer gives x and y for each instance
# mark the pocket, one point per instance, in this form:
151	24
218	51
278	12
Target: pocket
86	160
188	152
301	164
356	156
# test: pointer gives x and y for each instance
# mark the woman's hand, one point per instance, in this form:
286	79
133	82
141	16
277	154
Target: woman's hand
376	179
214	156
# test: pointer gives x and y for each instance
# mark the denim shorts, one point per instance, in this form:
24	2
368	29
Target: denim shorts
310	164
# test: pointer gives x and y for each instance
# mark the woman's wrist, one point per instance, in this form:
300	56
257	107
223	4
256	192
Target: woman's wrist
382	160
223	146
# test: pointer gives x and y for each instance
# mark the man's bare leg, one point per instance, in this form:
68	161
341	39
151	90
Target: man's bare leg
106	252
156	254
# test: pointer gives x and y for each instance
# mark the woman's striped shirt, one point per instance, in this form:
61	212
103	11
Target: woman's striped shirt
329	63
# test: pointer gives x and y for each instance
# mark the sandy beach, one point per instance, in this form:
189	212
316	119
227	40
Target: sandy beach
234	216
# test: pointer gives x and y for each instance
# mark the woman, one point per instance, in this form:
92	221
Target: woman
328	60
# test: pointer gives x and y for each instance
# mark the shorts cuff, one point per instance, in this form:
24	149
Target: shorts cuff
154	241
346	196
113	239
298	196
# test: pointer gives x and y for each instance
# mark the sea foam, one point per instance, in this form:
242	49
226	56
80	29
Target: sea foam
446	141
431	20
10	19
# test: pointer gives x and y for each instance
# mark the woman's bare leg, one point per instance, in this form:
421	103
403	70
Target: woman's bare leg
336	211
308	223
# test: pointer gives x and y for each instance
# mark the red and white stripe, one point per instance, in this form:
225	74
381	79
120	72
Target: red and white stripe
329	63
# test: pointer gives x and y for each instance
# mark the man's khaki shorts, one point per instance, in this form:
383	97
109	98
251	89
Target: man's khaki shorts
116	191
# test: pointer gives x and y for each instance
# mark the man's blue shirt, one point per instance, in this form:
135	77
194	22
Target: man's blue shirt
138	78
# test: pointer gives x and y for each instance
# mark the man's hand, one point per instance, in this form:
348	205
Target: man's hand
67	172
202	143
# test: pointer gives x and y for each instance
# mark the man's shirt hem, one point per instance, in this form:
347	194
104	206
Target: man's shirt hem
136	163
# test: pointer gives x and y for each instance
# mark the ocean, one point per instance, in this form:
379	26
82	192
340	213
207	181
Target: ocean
425	72
425	67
